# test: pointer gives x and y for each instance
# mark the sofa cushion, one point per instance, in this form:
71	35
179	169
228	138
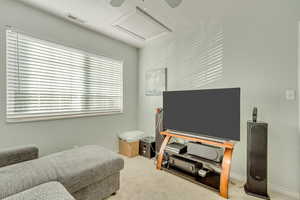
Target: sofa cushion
75	169
47	191
80	167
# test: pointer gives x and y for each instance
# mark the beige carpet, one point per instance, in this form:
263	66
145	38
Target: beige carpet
141	181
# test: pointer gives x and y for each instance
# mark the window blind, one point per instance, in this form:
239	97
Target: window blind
46	80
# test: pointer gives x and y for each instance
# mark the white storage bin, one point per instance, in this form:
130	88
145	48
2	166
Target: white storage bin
131	136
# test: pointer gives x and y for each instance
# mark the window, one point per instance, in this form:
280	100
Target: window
50	81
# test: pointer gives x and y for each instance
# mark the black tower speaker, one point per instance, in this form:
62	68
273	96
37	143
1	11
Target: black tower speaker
257	166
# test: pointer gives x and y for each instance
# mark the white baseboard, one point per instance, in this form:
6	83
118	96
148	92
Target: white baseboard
273	188
284	191
238	177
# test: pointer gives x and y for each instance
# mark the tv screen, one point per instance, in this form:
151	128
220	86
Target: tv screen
214	113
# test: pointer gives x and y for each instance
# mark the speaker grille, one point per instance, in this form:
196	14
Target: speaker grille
258	152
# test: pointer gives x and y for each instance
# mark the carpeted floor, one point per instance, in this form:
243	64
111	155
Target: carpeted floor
141	181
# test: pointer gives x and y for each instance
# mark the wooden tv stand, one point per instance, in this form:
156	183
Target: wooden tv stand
226	163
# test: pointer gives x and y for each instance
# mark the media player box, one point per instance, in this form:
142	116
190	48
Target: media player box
176	148
189	166
205	151
147	147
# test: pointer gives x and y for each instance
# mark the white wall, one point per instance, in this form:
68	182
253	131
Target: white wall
55	135
260	57
299	89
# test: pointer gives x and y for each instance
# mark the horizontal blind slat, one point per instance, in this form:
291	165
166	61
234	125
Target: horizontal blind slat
51	76
61	110
63	113
30	51
59	48
52	69
52	82
15	58
66	104
35	117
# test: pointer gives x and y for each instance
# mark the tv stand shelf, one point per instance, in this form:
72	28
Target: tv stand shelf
212	181
199	159
219	182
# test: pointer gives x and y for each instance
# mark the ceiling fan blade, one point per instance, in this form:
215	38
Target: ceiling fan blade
116	3
173	3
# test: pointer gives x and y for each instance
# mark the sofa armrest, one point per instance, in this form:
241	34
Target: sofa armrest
18	154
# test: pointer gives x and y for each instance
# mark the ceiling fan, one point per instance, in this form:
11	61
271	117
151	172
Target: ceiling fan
171	3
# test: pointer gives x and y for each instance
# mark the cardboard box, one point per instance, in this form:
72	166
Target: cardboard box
130	149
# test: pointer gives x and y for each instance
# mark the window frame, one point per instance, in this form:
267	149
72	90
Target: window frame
60	116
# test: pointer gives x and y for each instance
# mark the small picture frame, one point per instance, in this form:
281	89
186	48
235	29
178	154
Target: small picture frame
156	82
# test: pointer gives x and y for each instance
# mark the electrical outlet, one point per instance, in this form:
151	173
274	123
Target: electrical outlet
290	94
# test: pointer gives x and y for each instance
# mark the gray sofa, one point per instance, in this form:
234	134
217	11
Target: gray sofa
87	173
46	191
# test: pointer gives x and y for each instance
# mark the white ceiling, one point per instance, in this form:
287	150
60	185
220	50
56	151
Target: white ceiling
100	16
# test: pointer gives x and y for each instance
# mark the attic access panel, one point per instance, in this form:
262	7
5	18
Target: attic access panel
141	25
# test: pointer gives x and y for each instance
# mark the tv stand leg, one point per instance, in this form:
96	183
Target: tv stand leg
225	175
161	152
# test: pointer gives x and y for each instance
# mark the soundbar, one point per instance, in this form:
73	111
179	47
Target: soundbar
205	151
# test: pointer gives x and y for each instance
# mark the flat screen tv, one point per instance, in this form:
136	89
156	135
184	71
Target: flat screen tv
213	113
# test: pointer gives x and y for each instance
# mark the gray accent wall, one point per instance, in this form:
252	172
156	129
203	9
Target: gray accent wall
259	55
56	135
